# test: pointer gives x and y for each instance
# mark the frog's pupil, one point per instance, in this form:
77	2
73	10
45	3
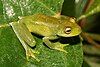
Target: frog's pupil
67	30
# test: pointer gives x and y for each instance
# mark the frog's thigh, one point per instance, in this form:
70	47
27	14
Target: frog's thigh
56	46
25	38
23	33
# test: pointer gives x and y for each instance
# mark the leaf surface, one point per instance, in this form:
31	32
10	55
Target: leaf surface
12	54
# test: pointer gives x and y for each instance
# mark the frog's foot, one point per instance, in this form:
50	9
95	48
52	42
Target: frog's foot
30	53
60	47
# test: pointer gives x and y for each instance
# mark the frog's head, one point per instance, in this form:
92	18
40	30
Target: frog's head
69	28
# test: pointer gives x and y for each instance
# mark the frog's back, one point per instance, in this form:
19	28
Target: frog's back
41	24
41	19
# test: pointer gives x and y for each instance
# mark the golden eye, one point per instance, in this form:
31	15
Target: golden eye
68	30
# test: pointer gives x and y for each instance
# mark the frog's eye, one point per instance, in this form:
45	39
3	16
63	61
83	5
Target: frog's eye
68	30
72	19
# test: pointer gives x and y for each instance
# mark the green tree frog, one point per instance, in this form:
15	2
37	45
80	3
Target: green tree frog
48	27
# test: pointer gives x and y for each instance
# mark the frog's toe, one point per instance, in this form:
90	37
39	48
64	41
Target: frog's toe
60	47
31	53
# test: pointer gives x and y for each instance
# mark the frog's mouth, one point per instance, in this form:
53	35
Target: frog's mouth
68	35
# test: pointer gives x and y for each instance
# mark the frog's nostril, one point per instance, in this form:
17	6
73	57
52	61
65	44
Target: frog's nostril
68	30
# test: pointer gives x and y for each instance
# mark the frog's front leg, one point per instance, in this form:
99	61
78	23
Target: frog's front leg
56	46
25	38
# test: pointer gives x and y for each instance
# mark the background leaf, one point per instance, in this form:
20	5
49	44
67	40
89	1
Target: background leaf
89	21
80	4
95	8
68	8
12	53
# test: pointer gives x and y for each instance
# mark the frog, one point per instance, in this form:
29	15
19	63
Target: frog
47	26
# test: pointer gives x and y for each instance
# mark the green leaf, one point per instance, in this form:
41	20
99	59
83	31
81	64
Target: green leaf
85	64
14	8
68	8
12	54
54	58
94	8
80	4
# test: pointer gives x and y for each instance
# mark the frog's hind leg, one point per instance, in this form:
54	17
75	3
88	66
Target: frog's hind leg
56	46
25	38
